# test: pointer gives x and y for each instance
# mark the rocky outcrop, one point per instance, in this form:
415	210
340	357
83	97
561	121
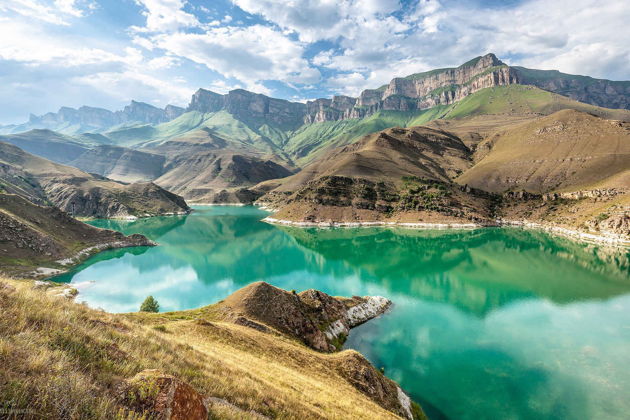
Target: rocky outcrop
163	397
130	201
362	375
319	320
417	91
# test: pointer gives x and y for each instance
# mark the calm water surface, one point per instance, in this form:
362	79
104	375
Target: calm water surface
487	324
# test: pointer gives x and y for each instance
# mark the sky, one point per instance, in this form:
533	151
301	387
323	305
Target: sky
106	52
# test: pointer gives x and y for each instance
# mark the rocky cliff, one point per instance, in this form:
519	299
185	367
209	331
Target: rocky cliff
417	91
250	107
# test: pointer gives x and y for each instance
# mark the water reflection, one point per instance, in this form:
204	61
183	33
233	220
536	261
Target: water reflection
490	323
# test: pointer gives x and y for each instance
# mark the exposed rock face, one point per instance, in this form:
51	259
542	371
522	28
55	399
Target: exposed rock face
128	201
362	375
250	106
319	320
163	397
616	224
418	91
600	92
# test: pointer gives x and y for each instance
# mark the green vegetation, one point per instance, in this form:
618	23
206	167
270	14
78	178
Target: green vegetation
423	194
150	305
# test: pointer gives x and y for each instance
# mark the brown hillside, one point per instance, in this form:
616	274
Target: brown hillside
33	236
78	192
565	151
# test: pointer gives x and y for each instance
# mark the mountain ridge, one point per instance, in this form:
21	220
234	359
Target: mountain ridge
417	91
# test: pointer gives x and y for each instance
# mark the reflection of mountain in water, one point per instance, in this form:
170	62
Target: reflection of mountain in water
218	246
474	270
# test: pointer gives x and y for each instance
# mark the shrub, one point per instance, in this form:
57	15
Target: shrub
150	305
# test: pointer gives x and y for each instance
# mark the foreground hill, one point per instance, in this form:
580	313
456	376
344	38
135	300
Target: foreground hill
40	240
194	364
79	193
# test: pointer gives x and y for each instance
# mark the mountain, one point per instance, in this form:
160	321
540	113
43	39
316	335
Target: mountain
242	138
218	177
36	239
566	151
79	193
398	171
85	119
600	92
567	172
47	144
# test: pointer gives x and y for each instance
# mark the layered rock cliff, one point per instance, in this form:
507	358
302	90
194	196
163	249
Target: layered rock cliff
417	91
249	106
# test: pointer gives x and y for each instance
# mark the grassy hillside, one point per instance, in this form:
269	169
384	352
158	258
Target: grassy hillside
69	361
519	99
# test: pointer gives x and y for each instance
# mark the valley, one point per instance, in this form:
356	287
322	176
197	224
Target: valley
450	225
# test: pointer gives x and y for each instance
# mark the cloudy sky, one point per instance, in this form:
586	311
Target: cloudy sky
106	52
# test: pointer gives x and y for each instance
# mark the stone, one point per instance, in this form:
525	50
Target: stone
163	396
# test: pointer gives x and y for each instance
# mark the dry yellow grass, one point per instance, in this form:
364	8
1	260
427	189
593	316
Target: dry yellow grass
59	359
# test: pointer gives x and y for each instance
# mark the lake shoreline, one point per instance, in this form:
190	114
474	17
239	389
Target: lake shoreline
574	234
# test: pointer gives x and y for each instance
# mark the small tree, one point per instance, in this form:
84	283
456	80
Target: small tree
150	305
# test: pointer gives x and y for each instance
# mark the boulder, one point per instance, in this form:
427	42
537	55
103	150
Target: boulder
163	397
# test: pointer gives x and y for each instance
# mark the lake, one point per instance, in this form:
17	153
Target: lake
497	323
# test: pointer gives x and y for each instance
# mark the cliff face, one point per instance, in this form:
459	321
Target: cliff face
250	106
417	91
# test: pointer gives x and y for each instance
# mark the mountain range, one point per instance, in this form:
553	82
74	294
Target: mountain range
459	136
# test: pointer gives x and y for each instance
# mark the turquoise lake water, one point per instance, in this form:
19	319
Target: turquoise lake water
486	324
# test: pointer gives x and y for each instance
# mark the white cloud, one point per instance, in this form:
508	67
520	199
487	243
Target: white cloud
165	15
57	13
249	54
130	83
